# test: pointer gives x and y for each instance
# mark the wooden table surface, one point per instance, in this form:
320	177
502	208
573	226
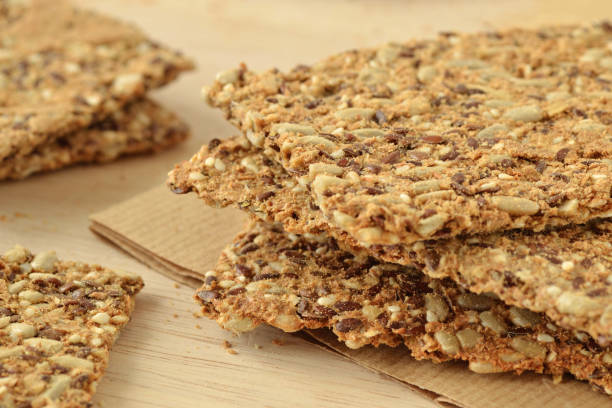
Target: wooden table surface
162	359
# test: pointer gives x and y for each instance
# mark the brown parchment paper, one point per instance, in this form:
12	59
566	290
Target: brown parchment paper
181	238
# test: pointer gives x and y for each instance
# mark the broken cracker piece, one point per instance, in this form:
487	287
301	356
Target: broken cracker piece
58	321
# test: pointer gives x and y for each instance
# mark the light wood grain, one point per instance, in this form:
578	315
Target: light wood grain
165	361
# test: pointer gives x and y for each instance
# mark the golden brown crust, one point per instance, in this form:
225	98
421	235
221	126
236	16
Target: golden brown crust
431	139
293	282
58	321
63	69
563	273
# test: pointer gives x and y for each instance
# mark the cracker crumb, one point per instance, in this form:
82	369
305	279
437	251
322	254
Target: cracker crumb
197	326
228	347
278	342
176	285
175	316
257	346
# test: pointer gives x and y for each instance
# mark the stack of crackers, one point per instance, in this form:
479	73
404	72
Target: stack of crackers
450	196
73	85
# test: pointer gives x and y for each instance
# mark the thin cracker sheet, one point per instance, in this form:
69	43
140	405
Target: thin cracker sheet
178	236
64	68
564	273
427	139
142	126
292	282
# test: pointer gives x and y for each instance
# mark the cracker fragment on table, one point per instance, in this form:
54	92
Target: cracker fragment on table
563	273
58	321
292	282
63	69
141	127
428	139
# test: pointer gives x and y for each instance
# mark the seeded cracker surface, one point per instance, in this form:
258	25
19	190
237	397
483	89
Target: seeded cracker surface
292	282
564	273
62	69
142	126
435	138
58	321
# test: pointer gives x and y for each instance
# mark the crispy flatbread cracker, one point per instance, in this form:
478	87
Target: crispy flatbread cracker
62	69
430	139
294	282
564	273
142	126
58	321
